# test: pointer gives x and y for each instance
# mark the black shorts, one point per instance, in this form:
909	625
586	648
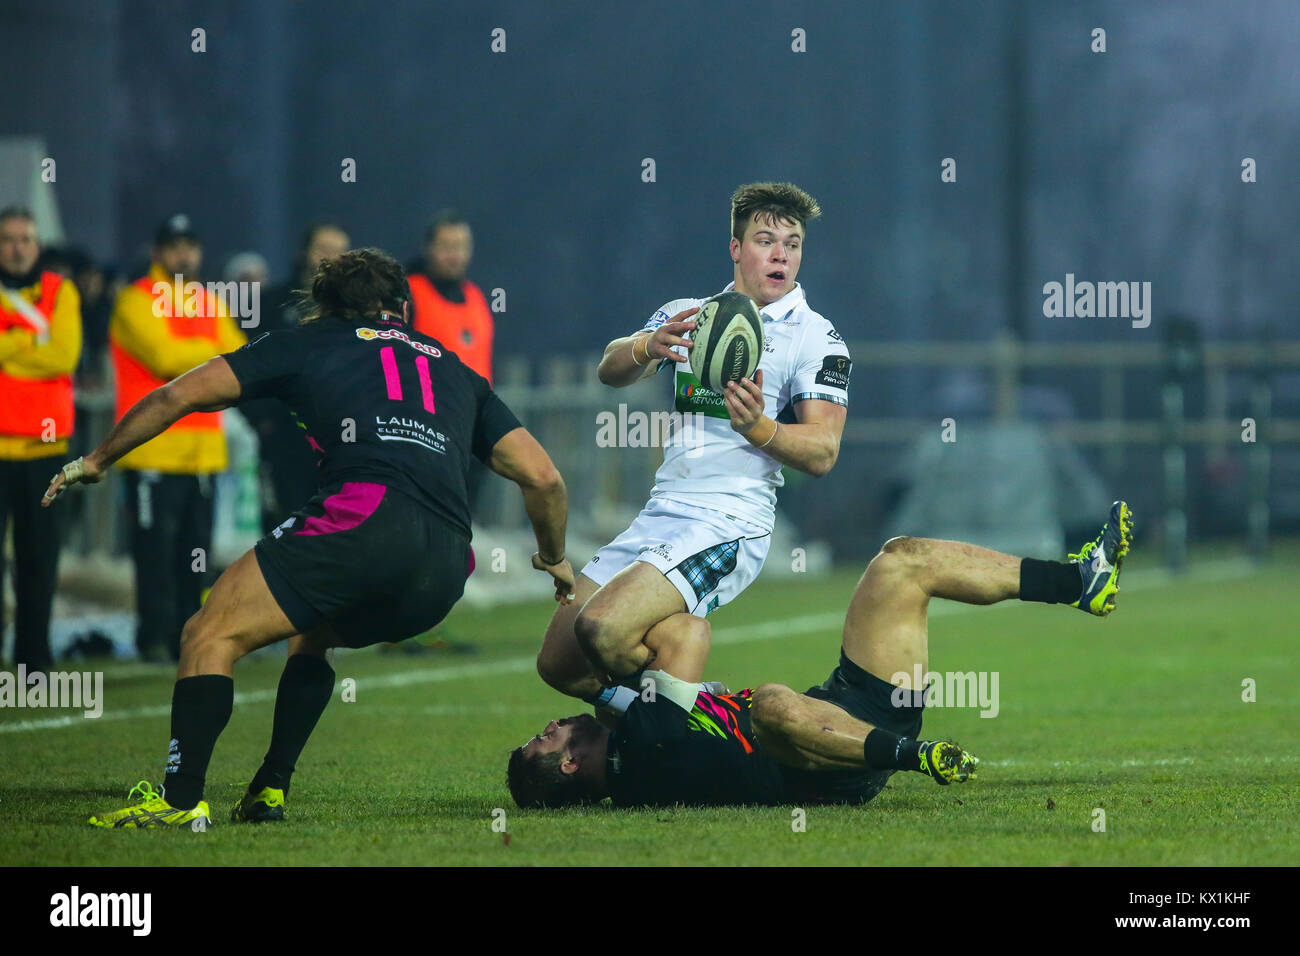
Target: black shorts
868	698
368	561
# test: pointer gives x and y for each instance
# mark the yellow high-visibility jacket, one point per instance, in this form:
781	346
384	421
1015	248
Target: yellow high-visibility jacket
36	371
150	350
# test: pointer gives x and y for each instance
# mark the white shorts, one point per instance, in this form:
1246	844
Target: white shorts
708	556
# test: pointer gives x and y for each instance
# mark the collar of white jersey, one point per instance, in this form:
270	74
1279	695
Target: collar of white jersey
782	308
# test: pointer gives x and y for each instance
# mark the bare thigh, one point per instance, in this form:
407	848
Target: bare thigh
885	630
886	627
613	624
239	616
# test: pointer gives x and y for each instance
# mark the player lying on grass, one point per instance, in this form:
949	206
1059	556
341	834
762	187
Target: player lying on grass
381	552
836	743
704	534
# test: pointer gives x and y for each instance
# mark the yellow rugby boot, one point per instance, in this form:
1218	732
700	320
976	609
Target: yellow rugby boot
947	763
262	807
1100	560
153	811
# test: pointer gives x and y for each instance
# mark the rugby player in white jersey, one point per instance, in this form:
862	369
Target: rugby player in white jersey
704	534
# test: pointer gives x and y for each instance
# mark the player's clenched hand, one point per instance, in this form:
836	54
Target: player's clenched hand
82	471
744	401
662	340
562	574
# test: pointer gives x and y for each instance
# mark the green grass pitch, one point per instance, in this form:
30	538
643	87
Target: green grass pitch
1140	715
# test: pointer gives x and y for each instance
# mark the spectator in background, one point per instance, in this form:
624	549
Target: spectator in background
247	267
154	337
40	342
289	472
282	305
448	306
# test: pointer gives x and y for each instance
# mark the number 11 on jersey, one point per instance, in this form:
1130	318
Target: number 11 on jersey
394	382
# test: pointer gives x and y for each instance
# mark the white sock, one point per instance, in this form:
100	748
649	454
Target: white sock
617	699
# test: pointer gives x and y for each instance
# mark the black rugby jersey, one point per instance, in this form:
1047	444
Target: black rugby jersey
660	755
380	402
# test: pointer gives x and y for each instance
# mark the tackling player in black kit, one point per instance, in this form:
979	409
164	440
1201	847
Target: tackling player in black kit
836	743
381	553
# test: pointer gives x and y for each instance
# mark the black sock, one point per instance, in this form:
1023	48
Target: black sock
305	689
201	708
885	751
1051	582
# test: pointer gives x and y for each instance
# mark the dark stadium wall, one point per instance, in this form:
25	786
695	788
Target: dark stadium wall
61	60
1115	166
1130	156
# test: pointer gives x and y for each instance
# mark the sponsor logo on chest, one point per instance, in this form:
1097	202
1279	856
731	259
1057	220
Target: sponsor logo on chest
398	335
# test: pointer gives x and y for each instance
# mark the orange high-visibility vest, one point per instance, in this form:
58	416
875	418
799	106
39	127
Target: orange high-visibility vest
26	403
134	381
464	327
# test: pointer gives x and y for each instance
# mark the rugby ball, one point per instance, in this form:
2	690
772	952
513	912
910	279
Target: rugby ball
728	340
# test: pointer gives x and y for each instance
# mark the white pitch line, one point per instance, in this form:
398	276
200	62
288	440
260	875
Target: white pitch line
427	675
1161	762
735	634
434	675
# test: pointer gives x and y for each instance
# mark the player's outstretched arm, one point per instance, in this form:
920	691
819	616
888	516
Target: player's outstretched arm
633	357
209	388
519	457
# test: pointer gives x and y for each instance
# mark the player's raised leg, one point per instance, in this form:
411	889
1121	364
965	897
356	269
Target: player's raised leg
885	628
885	643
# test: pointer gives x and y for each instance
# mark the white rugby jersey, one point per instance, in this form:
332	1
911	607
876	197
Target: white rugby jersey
709	465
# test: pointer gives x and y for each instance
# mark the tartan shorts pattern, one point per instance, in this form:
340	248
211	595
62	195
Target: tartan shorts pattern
704	570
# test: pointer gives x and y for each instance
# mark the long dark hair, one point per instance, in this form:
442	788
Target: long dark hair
355	287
